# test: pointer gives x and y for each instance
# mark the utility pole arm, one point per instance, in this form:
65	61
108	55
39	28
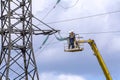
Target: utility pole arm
98	56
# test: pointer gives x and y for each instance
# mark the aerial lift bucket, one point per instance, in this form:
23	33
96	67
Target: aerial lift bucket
78	46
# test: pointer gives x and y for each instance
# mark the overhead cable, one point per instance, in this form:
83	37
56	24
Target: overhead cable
70	6
101	32
44	23
85	17
55	7
47	14
51	10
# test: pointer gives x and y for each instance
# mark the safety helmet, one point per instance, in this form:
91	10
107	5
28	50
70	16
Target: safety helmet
71	31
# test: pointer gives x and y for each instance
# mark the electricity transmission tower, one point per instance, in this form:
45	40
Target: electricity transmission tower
17	60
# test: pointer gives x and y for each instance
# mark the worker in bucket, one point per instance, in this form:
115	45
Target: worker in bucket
71	39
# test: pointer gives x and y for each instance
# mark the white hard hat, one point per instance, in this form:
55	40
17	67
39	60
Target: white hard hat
69	31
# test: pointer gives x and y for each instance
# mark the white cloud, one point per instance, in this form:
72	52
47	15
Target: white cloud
70	77
54	76
41	5
105	42
114	44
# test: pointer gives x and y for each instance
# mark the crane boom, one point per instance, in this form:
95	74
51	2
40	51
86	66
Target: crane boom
98	56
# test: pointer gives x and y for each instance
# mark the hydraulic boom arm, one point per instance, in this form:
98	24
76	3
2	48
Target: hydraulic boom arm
98	56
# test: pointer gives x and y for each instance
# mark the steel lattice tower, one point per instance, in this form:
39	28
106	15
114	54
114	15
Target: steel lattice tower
17	60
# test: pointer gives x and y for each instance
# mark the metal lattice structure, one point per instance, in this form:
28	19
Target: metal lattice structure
17	60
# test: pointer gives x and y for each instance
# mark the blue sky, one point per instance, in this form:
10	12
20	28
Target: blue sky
55	64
